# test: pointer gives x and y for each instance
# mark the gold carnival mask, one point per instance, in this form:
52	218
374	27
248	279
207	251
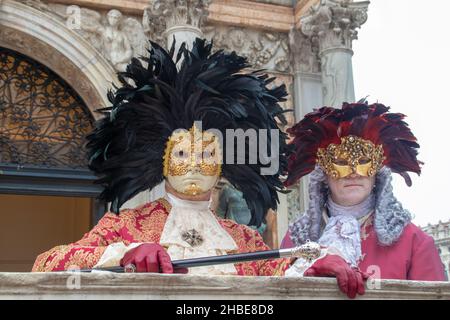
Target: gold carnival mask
192	161
353	155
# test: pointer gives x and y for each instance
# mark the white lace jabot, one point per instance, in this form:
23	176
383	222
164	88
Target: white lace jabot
342	229
192	231
341	235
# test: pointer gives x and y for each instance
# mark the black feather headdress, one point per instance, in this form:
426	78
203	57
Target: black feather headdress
127	146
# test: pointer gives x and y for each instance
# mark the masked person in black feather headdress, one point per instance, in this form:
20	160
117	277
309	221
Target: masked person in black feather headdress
169	124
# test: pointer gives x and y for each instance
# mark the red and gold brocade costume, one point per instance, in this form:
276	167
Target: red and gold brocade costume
146	224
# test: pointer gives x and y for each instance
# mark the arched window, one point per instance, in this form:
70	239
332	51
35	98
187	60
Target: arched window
43	128
44	177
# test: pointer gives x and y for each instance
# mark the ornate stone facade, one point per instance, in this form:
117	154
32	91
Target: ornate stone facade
267	50
117	37
441	234
166	14
175	19
44	36
303	52
332	24
306	44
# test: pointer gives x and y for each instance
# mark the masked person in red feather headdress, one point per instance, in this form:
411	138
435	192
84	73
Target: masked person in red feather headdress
353	214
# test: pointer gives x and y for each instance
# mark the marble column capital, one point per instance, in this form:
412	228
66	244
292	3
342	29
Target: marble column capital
166	14
333	24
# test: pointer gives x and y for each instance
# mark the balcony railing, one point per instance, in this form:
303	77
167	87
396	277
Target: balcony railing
67	285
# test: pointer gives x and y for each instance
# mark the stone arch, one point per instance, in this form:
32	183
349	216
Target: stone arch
46	38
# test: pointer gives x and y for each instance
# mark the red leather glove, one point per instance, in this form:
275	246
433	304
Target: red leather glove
150	257
350	281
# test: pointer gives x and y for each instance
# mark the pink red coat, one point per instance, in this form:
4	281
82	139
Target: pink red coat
412	257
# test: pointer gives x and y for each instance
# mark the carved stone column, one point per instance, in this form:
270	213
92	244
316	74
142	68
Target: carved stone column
306	70
179	19
307	92
332	25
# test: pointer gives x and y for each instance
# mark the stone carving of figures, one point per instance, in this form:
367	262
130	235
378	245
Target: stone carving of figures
268	50
115	41
117	38
303	53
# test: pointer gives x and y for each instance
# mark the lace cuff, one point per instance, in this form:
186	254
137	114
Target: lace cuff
114	253
298	268
301	264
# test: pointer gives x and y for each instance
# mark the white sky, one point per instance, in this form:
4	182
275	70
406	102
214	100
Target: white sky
402	59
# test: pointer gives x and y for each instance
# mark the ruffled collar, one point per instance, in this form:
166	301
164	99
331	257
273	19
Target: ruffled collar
357	211
187	204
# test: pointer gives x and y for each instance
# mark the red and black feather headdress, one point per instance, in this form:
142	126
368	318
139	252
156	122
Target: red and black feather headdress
372	122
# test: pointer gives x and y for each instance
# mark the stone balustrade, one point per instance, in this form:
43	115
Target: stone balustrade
66	285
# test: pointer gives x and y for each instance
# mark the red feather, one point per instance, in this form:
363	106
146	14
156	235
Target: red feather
371	122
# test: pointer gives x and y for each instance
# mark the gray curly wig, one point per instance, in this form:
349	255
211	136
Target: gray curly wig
389	221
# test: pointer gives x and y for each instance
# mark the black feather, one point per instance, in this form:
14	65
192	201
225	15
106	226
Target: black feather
127	146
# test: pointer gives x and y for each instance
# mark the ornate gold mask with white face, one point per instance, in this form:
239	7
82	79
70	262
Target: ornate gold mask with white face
192	161
353	155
